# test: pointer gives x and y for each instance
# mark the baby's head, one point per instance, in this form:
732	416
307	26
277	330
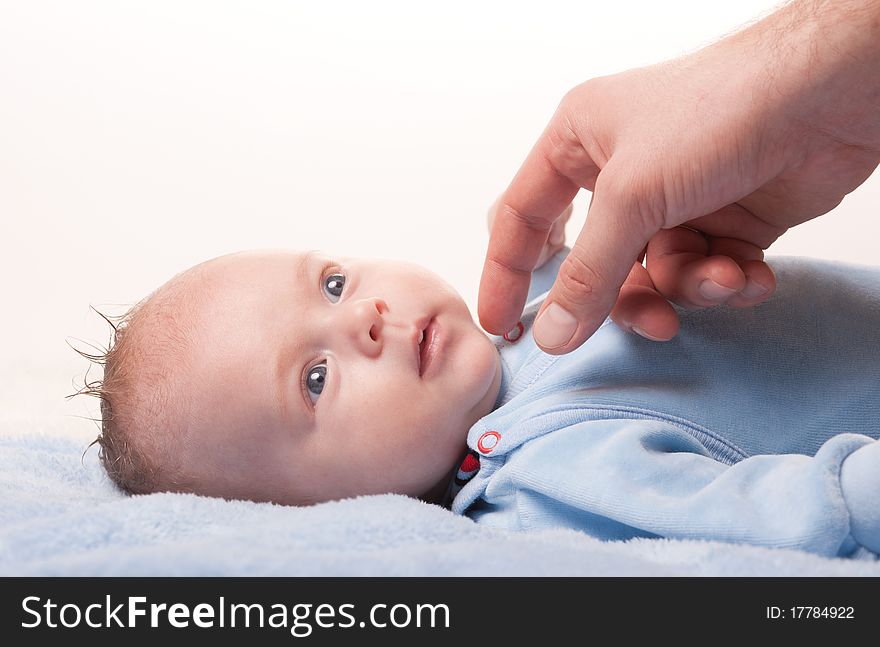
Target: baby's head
295	378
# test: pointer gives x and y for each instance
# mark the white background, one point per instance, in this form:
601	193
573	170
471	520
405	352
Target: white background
139	138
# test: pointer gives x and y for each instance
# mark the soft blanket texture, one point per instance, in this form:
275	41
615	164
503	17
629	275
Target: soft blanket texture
59	515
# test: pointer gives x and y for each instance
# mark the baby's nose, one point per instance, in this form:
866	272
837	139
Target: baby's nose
367	323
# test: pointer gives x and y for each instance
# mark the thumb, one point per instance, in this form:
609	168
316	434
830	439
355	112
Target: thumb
590	277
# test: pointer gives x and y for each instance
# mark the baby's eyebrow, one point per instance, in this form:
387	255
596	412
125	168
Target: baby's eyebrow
305	262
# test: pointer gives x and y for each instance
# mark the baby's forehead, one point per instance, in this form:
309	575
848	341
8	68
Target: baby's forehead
232	270
251	259
232	289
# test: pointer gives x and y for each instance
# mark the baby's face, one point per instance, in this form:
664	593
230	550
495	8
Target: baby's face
306	380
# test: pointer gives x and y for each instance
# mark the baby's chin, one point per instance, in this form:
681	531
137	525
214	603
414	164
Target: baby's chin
485	362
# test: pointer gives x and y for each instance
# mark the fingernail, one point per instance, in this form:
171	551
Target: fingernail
557	237
715	292
641	332
753	290
555	327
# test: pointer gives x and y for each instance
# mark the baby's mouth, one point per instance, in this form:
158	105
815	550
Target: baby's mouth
421	351
427	346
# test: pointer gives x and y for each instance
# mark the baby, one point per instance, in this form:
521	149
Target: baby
300	377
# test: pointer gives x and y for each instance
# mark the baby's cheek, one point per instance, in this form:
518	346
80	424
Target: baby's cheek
481	371
423	438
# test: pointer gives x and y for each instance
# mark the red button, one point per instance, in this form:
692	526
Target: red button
470	463
514	335
488	441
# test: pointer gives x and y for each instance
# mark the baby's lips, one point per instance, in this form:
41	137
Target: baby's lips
418	336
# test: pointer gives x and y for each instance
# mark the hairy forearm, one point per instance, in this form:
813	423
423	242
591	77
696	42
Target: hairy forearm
822	62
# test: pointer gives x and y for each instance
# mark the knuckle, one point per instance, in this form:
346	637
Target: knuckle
578	281
583	92
566	153
637	195
502	266
571	99
571	142
529	221
614	185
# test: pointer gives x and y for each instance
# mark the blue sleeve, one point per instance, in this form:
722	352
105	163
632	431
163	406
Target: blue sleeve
654	476
544	276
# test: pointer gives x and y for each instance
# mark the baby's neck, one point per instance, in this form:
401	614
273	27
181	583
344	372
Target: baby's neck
438	492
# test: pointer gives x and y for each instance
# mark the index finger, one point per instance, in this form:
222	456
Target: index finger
538	195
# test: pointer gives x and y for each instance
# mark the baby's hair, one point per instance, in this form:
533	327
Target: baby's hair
136	419
126	466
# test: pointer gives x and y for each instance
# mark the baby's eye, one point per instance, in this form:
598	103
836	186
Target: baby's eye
333	285
315	379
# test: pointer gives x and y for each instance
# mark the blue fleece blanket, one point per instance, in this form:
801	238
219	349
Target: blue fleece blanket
59	515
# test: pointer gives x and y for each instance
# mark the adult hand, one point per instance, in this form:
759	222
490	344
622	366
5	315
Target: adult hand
555	242
754	134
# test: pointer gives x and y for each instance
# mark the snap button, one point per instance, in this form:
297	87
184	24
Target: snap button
469	467
513	335
488	441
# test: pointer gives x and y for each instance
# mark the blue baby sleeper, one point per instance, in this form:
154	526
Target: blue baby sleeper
753	425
